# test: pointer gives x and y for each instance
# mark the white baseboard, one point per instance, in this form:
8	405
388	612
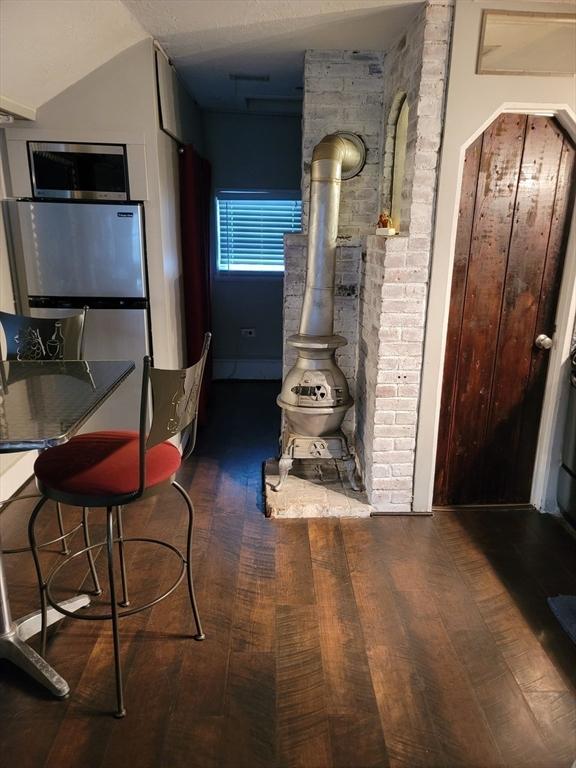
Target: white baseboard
247	369
13	474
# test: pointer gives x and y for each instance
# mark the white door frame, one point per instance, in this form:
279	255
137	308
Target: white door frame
549	438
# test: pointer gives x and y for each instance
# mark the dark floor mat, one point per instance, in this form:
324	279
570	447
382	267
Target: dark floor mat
564	608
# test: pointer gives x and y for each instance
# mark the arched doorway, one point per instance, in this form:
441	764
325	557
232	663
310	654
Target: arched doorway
510	245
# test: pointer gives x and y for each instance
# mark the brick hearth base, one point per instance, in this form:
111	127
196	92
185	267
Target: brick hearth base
313	490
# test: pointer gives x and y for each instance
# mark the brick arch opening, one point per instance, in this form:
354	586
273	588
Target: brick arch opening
387	173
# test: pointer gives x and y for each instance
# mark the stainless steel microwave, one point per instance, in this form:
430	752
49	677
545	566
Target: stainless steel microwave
78	171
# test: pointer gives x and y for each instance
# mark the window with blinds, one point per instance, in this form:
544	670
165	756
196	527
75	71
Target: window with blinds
251	228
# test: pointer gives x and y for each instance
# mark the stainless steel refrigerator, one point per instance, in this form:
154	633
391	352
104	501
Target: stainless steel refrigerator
70	255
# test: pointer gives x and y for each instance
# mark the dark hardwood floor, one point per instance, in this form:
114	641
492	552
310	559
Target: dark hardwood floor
338	644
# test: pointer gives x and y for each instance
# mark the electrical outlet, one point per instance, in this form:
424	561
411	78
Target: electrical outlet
248	333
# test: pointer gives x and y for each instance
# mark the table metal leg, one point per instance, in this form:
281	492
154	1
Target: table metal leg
22	655
13	635
30	625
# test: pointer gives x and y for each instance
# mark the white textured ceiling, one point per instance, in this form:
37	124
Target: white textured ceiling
47	45
208	40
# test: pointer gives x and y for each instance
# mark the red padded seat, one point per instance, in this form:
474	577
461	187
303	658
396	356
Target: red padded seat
104	464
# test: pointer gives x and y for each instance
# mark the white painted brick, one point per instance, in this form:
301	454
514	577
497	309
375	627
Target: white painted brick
405	417
399	457
323	85
383	417
386	390
387	364
396	244
412	334
396	260
407	275
396	403
313	56
403	470
392	484
391	334
404	443
408	390
429	106
439	13
401	497
410	363
381	473
393	291
402	321
404	306
416	290
418	259
400	348
394	430
434	67
403	377
384	444
380	499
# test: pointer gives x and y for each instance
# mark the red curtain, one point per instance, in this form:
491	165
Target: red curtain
195	224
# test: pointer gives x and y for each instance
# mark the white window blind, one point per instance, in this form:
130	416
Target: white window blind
251	228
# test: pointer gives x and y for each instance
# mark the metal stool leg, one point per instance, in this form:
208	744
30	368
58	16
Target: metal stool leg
121	710
65	547
199	633
87	543
120	531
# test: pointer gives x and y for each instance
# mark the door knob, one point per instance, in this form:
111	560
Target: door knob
543	342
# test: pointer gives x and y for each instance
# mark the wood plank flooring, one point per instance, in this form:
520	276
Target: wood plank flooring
330	644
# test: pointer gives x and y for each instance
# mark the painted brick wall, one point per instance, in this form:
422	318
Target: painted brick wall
396	270
344	91
394	298
372	278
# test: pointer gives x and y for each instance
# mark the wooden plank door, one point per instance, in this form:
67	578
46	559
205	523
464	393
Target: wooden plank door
512	229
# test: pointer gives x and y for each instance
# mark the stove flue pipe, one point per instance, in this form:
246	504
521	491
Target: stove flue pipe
338	156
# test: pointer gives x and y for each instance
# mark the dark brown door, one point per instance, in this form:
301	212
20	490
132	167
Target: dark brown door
510	245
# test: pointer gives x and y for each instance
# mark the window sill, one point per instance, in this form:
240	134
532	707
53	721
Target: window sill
243	277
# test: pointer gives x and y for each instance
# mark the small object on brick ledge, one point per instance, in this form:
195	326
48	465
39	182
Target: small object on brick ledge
383	227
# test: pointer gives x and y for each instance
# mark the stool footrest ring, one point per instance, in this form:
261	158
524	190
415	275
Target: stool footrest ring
20	550
130	611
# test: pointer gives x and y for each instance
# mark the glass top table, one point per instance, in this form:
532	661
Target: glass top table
43	404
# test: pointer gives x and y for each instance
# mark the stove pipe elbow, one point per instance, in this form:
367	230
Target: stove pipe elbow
337	157
345	155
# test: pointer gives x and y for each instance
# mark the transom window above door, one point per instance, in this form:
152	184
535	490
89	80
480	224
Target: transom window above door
250	227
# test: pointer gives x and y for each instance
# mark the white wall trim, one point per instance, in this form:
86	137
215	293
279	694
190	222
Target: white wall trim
545	468
247	369
548	455
22	111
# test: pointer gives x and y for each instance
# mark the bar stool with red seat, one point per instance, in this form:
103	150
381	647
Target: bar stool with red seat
113	469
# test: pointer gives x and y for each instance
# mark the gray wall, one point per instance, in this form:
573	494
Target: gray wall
250	152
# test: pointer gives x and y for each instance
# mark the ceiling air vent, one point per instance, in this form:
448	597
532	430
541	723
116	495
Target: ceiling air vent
240	76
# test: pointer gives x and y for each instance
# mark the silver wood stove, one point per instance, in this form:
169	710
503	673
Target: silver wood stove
315	395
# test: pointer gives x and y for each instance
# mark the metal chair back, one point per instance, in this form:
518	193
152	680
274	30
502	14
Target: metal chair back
175	395
40	338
